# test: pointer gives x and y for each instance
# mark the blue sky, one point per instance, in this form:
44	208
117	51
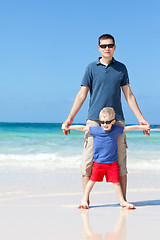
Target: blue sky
45	47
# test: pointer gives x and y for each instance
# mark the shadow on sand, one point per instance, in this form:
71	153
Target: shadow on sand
136	204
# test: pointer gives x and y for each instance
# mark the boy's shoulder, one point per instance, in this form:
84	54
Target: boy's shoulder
117	129
94	129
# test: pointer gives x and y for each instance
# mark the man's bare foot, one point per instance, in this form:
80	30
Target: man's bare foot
127	205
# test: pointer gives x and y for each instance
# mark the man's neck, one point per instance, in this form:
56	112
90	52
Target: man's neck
105	61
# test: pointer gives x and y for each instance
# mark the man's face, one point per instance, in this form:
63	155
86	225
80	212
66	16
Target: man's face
108	51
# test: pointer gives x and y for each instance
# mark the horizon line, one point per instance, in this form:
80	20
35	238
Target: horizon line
61	123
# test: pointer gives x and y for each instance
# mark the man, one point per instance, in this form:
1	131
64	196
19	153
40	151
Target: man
104	79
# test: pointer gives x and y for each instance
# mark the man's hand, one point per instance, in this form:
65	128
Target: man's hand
66	125
144	122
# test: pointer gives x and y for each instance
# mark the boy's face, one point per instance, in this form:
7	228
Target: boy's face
107	122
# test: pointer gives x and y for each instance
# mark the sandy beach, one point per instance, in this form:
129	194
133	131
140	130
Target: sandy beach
40	188
29	214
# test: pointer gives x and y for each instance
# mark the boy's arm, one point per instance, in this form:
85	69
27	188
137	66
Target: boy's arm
135	127
76	127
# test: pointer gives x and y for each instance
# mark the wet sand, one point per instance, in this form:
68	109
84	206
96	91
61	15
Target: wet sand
54	215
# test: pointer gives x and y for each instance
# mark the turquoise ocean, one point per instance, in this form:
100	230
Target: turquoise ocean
33	154
43	145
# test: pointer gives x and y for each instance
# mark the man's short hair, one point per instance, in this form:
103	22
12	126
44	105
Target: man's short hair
107	111
105	36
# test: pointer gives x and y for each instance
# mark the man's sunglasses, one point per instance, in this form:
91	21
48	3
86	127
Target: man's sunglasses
106	45
106	122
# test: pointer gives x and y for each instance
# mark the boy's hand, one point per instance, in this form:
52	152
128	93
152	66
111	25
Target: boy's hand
145	127
64	127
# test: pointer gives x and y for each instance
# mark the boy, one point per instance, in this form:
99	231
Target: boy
105	153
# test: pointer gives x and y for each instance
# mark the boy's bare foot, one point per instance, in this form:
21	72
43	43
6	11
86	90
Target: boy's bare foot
84	204
127	205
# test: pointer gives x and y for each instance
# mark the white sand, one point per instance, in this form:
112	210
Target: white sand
54	216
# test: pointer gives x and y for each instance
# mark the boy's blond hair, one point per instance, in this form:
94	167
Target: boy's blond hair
107	111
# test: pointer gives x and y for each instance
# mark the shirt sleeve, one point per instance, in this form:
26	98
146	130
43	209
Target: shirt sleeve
125	78
87	78
119	130
93	130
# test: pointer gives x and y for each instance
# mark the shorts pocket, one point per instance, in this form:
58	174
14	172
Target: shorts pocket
85	143
125	141
85	140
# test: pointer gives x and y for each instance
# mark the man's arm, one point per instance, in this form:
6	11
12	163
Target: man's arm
78	102
135	127
76	127
131	100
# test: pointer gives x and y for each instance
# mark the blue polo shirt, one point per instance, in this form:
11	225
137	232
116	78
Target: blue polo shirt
105	143
105	84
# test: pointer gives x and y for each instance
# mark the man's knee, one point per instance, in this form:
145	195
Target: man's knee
86	168
122	154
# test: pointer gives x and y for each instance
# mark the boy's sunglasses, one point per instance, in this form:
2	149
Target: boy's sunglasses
106	45
106	122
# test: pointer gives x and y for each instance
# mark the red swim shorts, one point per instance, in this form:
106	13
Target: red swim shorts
109	170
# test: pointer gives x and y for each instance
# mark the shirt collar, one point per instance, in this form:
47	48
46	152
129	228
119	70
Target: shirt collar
98	61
